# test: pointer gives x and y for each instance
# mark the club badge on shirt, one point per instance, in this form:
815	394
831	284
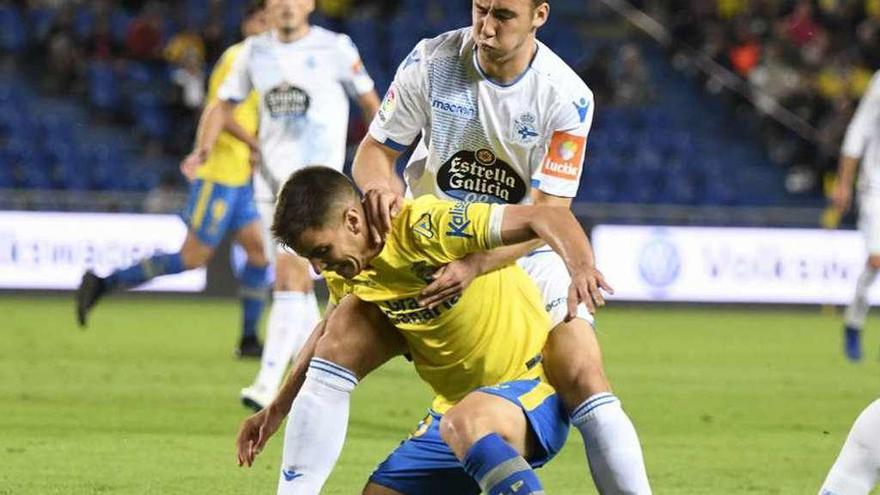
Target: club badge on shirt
524	130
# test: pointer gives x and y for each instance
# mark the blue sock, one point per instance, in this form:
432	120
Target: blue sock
499	469
252	293
147	269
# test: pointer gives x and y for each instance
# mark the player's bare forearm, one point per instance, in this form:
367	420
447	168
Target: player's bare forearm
369	103
488	261
237	131
554	225
373	166
846	170
212	123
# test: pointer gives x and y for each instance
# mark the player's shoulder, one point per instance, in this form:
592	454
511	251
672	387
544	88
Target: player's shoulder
257	44
445	45
559	77
324	37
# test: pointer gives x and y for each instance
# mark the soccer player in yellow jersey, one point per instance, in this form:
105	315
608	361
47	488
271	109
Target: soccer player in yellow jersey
221	200
494	416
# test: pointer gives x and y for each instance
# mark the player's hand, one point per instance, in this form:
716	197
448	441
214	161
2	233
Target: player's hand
254	432
449	281
586	287
381	205
255	158
191	163
841	197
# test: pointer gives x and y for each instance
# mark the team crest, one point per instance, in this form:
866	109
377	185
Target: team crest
525	130
389	104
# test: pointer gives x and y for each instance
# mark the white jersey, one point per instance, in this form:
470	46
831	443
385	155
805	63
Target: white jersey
863	138
303	87
480	140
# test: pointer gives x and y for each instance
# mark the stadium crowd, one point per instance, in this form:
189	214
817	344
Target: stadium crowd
814	57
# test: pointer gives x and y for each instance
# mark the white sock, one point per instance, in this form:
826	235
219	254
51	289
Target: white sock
857	467
612	446
857	311
316	428
291	320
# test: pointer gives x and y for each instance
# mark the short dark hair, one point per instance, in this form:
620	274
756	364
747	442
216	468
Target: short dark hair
253	6
537	3
309	199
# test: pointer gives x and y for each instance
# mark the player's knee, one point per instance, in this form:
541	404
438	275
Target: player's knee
461	428
195	257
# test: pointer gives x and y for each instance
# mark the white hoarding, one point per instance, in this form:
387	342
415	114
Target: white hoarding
52	250
752	265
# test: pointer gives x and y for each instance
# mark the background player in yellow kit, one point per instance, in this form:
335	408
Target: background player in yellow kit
492	335
221	200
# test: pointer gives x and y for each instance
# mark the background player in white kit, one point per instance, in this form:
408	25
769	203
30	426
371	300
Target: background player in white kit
862	143
502	119
303	75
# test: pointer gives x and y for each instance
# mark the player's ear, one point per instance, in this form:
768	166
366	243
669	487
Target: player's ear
540	15
354	220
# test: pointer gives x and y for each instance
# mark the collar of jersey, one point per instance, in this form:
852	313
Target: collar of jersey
273	35
496	83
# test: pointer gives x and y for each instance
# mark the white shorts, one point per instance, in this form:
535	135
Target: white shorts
869	222
551	276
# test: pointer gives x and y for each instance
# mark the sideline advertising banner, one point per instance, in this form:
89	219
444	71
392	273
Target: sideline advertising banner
743	265
40	250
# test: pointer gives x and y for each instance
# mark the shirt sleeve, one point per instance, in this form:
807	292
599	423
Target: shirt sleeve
336	287
563	163
351	70
236	86
403	112
445	231
865	122
221	70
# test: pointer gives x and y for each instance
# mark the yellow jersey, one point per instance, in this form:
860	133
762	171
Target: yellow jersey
228	164
493	333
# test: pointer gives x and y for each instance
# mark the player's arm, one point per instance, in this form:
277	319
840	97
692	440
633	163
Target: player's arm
373	172
452	279
369	104
859	131
256	430
558	227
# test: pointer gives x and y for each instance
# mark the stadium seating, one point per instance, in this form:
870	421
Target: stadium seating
685	148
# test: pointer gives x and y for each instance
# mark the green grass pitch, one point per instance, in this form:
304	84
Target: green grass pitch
726	401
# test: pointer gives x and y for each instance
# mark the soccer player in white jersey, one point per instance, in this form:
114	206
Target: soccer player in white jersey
862	143
303	76
857	469
502	119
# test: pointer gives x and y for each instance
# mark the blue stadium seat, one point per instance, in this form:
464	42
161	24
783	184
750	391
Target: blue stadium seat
103	86
13	29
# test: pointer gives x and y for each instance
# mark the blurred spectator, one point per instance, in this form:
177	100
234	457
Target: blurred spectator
185	44
632	85
101	45
189	76
597	74
64	59
800	26
745	53
143	40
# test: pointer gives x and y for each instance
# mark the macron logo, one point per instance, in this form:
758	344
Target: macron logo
454	109
290	475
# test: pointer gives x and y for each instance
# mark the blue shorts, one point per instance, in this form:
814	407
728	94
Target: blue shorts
213	209
424	465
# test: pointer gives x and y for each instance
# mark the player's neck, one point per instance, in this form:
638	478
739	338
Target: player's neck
507	69
289	35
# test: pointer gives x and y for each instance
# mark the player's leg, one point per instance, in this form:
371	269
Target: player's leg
491	437
857	311
857	468
501	433
374	489
207	216
573	361
357	339
253	286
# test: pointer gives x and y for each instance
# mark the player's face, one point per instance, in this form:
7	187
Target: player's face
501	27
255	23
342	248
289	14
